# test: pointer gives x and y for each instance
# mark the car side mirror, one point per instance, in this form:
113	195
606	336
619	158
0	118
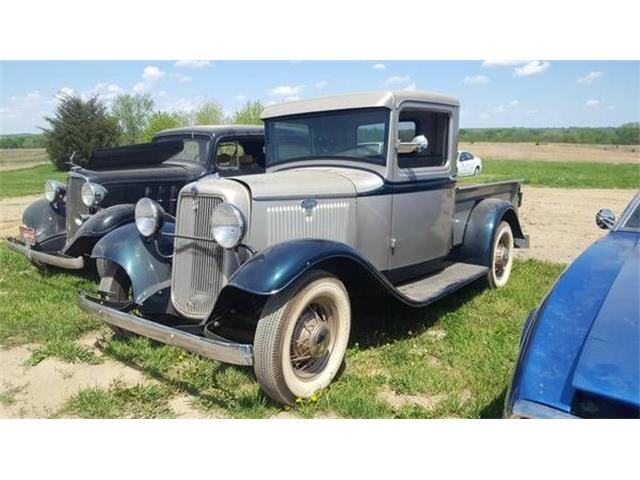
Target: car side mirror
418	144
605	219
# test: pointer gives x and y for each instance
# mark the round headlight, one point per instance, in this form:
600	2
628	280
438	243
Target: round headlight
149	216
92	194
227	225
53	190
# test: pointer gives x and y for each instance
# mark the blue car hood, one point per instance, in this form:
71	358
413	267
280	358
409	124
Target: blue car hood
609	364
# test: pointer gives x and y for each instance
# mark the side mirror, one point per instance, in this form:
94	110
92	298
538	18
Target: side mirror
605	219
418	144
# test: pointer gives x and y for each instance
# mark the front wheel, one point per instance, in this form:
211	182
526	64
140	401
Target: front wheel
501	256
476	172
302	336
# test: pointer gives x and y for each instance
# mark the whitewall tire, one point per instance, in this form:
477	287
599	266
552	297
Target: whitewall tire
501	256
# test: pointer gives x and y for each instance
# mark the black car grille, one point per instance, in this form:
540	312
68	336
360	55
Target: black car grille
74	205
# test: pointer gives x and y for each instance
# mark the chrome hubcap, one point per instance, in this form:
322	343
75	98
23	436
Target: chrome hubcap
311	341
501	255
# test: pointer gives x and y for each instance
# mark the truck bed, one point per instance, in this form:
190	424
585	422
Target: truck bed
467	196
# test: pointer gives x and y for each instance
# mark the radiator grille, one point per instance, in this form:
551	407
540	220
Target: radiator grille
74	205
197	264
328	220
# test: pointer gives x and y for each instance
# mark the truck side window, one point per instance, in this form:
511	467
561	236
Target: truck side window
240	155
434	126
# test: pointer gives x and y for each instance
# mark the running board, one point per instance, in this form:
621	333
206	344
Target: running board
435	286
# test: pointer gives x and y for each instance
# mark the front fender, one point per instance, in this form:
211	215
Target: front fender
97	226
477	242
48	220
274	269
147	261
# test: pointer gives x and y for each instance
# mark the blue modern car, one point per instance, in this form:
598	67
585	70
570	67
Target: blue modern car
579	350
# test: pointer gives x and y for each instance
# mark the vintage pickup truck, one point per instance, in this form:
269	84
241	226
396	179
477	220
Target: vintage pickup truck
62	228
359	195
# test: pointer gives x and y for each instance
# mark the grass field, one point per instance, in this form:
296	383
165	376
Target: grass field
560	174
21	157
450	360
28	181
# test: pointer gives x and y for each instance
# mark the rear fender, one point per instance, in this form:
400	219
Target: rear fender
483	221
146	261
97	226
48	220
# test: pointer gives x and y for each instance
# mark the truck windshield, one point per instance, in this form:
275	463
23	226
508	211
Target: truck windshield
196	148
342	135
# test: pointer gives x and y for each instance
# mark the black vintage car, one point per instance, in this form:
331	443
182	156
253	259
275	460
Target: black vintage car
62	228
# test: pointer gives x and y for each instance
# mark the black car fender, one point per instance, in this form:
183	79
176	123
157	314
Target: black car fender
97	226
48	221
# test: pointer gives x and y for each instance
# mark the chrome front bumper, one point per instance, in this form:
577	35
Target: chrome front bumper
216	348
69	263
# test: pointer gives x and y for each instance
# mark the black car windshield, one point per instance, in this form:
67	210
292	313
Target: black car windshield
342	135
196	148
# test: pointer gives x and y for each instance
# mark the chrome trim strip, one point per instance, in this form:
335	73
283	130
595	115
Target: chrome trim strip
216	348
527	409
69	263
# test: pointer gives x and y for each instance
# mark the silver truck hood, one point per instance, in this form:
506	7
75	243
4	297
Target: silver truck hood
297	184
317	182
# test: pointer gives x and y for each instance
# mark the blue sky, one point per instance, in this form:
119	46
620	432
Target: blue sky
492	93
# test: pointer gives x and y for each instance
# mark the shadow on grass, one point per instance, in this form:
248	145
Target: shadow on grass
494	409
380	320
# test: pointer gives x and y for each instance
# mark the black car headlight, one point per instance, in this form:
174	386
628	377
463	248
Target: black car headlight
227	225
54	190
149	217
92	194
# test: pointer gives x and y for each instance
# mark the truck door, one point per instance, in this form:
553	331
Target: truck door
423	190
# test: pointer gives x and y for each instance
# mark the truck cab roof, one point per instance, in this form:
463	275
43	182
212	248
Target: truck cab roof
213	130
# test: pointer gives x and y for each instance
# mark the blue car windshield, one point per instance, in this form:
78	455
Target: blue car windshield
633	222
358	134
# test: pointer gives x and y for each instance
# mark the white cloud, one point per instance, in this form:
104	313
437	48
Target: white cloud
64	91
322	84
410	87
535	67
152	74
514	103
106	91
23	113
181	78
193	63
397	80
240	97
476	80
379	66
592	103
140	88
503	63
286	90
590	77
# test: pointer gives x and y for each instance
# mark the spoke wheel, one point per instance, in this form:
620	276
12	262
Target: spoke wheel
502	256
302	337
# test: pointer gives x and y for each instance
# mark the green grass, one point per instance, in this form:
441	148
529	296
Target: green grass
28	181
452	359
560	174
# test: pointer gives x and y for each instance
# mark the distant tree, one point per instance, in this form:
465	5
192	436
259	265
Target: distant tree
79	126
208	113
161	121
249	114
132	113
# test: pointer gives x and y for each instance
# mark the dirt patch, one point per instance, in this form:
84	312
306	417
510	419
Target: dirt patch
428	402
555	152
11	213
44	388
19	158
561	223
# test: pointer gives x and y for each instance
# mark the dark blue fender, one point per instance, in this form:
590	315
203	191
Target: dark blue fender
97	226
48	220
477	242
275	268
147	262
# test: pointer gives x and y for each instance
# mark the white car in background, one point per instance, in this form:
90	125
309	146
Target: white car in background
469	164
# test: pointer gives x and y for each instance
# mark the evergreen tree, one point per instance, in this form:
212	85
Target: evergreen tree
78	126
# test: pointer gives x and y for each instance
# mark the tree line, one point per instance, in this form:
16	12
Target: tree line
626	134
85	125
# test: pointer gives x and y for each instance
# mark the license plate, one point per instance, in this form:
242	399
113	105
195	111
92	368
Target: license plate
28	235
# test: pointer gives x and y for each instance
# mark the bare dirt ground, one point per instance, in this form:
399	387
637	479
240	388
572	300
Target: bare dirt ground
560	224
555	152
18	158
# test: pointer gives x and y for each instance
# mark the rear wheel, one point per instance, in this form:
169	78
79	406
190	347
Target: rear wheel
476	172
116	285
301	338
501	256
